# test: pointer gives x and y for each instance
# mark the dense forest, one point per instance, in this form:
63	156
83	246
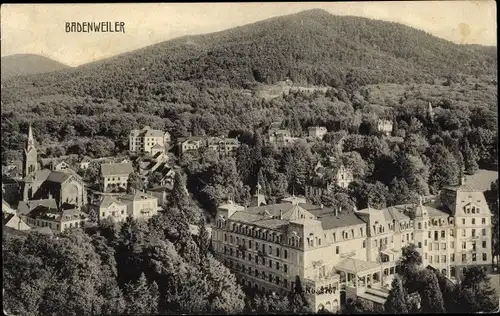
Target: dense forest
208	83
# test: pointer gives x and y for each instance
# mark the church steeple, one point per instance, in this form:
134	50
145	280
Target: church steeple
30	143
30	157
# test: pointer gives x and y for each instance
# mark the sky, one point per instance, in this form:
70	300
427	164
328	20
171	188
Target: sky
40	28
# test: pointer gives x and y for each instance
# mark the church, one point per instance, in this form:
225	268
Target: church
66	186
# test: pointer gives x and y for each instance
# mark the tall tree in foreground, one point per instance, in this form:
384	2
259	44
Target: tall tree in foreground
475	292
410	264
134	183
396	303
432	298
141	297
297	298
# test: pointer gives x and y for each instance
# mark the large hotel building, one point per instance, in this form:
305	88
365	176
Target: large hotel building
351	254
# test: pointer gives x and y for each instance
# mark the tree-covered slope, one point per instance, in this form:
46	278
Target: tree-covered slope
204	83
28	64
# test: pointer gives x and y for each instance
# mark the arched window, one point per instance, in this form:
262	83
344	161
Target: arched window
419	225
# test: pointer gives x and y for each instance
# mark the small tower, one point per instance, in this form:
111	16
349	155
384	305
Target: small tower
258	199
30	159
430	111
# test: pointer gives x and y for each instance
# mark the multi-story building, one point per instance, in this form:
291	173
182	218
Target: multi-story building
281	137
385	126
353	254
143	141
140	205
455	231
324	180
115	175
223	146
317	131
56	219
109	207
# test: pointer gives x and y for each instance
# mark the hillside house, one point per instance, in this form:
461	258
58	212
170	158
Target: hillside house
140	205
385	126
148	140
223	146
46	213
324	179
317	131
281	137
160	193
190	144
115	175
109	207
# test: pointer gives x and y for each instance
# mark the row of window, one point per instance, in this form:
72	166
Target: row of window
112	213
442	258
259	274
115	179
263	260
452	245
473	221
472	209
257	233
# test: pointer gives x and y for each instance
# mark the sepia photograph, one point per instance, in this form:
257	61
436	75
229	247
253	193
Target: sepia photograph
250	158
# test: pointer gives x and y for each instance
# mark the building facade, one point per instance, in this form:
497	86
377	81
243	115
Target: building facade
317	131
385	126
109	207
140	205
115	175
223	146
324	180
145	140
351	254
55	219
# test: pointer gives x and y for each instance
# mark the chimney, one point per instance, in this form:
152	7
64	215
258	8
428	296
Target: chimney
336	212
462	179
321	206
281	214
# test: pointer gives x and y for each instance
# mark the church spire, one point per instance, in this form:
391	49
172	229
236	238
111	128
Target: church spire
31	141
30	158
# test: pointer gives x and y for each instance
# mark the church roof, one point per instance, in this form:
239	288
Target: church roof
58	177
39	176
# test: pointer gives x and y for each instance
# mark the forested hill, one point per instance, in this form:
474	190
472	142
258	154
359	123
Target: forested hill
308	47
28	64
205	83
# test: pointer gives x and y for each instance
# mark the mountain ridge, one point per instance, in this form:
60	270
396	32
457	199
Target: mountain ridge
28	64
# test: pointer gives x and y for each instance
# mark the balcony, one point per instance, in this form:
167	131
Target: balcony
242	248
262	253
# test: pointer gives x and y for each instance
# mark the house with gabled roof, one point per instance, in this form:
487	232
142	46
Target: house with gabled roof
115	175
140	205
13	221
109	207
56	219
148	140
324	179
